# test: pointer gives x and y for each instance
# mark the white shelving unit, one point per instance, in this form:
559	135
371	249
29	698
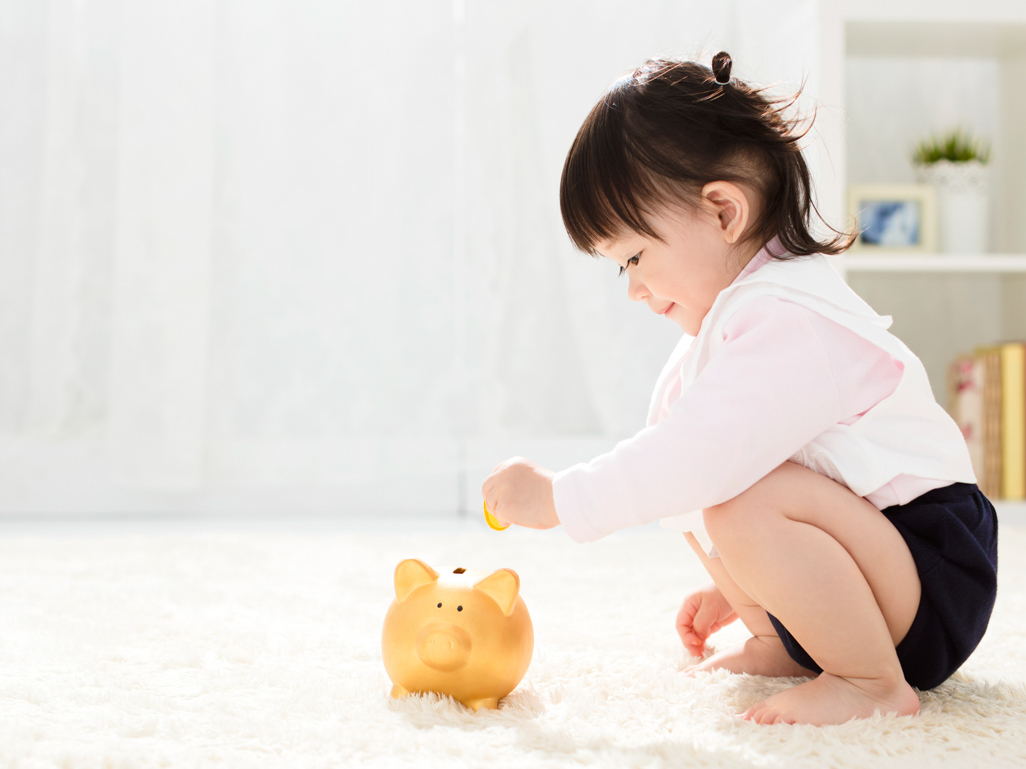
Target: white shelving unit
931	263
942	304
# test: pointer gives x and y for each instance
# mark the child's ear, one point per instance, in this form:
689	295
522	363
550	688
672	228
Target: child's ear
731	207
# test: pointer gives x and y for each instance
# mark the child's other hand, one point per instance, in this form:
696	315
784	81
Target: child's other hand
520	492
703	613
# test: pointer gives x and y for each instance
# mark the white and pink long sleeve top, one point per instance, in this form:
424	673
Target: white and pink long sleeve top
776	373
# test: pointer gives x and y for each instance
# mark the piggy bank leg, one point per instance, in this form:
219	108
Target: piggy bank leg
488	702
398	691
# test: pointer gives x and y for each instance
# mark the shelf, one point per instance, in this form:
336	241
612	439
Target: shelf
900	262
928	66
935	38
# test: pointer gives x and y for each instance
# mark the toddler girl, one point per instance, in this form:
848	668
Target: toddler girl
794	440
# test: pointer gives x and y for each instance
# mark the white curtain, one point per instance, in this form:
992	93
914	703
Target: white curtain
307	255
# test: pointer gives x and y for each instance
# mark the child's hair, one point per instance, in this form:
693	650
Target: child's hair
668	128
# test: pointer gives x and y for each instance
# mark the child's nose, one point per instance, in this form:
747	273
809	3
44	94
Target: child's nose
636	290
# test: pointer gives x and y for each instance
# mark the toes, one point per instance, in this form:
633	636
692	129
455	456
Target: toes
753	714
759	714
766	716
692	670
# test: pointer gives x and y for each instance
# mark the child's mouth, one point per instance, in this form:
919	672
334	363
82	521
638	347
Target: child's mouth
669	307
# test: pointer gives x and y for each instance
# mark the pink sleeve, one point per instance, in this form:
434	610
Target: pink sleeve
769	390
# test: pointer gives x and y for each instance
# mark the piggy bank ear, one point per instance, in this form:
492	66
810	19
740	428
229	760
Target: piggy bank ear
411	574
503	587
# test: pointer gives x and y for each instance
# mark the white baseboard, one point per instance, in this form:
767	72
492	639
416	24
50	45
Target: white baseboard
376	477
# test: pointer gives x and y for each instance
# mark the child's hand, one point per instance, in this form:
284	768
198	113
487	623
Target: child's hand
703	613
520	492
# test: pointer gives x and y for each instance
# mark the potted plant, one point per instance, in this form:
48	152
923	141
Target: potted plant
955	164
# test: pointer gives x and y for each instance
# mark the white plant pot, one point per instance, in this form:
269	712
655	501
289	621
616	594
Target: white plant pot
963	204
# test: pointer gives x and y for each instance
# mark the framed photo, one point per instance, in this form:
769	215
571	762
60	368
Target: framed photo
894	217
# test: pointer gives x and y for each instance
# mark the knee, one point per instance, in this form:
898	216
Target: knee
745	513
724	521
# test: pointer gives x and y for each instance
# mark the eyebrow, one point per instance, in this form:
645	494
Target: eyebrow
630	254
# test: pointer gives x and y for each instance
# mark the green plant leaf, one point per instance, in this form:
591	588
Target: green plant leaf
956	146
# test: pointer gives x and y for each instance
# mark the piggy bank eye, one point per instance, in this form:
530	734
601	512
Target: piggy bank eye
459	608
439	606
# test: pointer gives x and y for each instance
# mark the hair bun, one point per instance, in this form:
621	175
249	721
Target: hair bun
721	65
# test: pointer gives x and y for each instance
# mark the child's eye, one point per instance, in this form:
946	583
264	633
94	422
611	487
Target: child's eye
633	260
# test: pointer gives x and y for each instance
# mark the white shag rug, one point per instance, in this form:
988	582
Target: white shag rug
259	646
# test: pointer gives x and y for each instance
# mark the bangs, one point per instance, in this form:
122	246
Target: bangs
604	191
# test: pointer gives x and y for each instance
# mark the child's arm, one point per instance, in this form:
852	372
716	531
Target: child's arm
768	391
520	492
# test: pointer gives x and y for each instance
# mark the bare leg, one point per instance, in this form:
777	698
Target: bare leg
838	575
763	654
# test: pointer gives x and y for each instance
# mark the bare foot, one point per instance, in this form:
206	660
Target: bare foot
762	655
830	699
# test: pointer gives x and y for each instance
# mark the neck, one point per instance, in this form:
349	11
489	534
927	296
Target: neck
742	256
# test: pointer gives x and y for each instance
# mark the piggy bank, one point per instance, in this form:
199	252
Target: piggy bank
466	634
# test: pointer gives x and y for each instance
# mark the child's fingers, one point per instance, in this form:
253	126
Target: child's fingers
687	612
687	635
685	619
494	510
706	621
490	493
494	516
490	482
693	644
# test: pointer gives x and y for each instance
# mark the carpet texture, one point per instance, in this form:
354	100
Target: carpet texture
247	646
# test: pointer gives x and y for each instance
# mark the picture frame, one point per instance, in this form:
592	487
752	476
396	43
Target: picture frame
894	217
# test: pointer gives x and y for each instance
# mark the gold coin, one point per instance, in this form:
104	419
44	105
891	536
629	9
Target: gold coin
492	521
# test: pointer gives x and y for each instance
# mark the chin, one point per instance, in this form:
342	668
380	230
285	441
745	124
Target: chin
689	326
686	324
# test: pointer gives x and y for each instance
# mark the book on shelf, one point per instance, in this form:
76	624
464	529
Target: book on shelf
987	399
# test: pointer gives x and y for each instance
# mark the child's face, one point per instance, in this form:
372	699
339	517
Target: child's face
680	276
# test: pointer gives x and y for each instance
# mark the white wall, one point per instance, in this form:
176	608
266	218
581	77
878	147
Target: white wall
307	256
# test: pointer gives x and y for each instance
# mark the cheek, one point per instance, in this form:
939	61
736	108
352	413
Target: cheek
680	286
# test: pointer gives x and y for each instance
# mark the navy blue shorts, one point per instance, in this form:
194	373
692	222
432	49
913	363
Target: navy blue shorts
952	533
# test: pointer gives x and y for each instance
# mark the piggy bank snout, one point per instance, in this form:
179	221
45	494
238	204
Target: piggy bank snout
443	646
